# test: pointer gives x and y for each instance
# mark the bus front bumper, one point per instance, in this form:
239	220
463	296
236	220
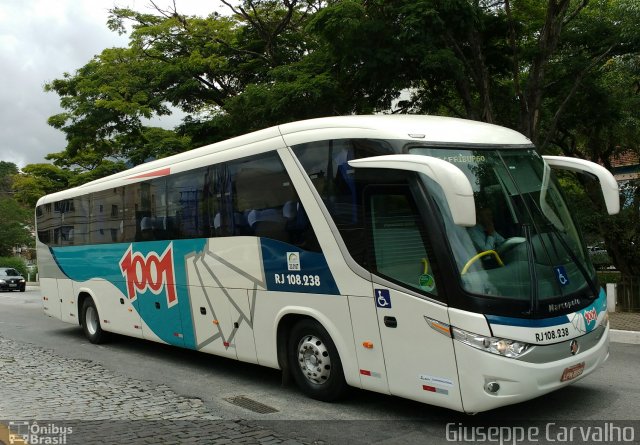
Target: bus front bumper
528	377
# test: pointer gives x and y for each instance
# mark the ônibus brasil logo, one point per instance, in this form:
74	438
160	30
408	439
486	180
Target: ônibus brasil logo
150	272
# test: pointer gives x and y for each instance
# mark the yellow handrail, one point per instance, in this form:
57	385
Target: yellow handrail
478	256
425	263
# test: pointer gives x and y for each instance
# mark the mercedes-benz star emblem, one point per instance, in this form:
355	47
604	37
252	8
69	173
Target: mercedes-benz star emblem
574	347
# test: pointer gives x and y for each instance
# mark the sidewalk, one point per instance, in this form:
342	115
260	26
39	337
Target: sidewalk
625	321
625	327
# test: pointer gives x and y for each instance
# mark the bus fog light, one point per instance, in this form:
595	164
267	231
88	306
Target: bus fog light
499	346
492	387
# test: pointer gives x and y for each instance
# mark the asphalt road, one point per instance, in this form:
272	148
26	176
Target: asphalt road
611	394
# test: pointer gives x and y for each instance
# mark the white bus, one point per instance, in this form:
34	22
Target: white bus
345	252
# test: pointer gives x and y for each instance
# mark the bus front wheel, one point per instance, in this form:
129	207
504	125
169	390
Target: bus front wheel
91	322
315	363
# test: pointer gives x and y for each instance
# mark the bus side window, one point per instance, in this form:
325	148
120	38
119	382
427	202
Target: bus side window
185	198
48	222
265	203
398	240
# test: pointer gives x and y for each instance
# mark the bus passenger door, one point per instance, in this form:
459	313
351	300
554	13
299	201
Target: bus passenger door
419	358
366	333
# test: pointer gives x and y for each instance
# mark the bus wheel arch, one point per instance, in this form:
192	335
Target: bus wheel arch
82	296
90	320
303	344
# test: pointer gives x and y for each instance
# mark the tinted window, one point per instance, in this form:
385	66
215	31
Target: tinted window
340	186
256	197
48	222
398	238
185	210
374	210
247	197
105	216
9	272
80	221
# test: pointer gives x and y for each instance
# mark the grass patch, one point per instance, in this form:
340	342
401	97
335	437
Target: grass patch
608	276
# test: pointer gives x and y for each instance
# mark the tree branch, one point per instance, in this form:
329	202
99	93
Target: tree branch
574	88
516	62
547	43
573	15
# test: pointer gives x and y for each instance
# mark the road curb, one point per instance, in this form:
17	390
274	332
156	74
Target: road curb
628	337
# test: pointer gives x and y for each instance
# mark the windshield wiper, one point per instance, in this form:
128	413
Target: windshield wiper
575	260
556	225
526	228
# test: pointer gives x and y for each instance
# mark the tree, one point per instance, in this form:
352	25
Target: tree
7	171
15	224
191	63
38	180
563	72
607	125
16	221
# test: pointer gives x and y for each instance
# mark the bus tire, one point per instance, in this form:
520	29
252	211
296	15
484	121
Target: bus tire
315	363
91	322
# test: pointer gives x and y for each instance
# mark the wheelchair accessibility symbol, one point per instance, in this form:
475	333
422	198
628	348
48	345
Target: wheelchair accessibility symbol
561	275
383	299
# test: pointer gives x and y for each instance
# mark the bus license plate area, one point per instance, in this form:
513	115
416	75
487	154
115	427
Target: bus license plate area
572	372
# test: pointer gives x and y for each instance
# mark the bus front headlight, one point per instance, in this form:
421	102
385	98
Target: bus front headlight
495	345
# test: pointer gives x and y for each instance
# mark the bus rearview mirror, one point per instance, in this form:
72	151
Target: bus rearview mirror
455	184
608	183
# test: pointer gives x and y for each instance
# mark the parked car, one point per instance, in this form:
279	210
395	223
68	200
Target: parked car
10	279
600	257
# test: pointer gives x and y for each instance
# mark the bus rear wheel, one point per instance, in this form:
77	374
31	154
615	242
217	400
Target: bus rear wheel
315	363
91	322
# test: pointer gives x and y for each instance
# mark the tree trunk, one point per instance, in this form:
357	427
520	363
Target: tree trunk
547	43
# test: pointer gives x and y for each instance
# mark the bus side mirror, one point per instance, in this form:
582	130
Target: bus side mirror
457	188
608	183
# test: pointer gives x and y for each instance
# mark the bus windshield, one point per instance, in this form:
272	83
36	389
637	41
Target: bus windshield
525	244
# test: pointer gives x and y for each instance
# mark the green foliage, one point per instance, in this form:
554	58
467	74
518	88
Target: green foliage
38	180
16	263
7	171
152	143
15	224
566	73
608	276
601	259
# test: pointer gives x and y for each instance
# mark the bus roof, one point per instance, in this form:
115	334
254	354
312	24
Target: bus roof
427	129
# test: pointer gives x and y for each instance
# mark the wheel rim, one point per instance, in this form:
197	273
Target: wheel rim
91	319
314	359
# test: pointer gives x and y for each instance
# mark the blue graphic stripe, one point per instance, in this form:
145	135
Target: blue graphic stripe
313	275
600	305
527	322
83	263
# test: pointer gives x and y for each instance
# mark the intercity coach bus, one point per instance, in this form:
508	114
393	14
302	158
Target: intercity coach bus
344	251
